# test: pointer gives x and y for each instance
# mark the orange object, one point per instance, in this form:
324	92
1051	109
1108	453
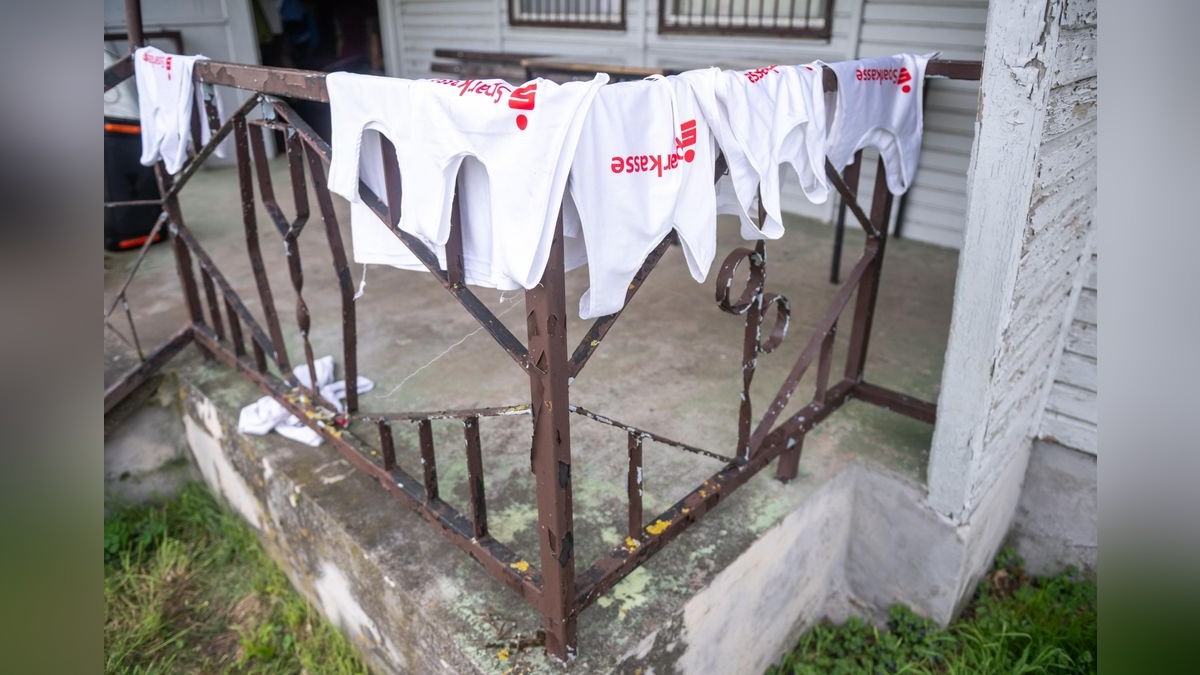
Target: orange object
137	241
123	128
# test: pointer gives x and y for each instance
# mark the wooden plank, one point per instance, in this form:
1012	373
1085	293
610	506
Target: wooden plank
1077	370
932	16
1091	273
1070	432
1081	338
1086	309
1079	13
941	37
1071	106
1072	401
1076	56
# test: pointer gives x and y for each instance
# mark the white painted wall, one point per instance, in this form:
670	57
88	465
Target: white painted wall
1070	417
1032	191
936	210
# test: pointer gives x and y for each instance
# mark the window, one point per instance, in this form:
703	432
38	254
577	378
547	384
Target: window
783	18
597	14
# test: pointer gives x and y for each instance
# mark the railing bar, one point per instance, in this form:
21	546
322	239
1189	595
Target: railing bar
475	477
851	200
428	460
580	410
133	202
895	401
214	309
868	291
117	391
137	262
118	72
257	335
496	558
245	182
599	328
635	485
295	152
209	148
341	268
235	329
824	364
387	446
266	186
127	341
137	344
836	306
610	569
521	409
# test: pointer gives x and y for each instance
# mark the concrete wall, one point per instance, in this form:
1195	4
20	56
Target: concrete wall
1056	523
1031	196
413	29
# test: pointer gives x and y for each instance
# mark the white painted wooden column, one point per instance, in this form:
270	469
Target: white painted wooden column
1020	46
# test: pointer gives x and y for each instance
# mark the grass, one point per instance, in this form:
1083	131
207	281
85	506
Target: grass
188	588
1014	624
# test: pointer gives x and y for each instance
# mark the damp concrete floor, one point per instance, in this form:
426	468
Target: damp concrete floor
671	365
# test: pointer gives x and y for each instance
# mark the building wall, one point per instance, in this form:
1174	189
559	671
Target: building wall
1070	416
936	208
1030	213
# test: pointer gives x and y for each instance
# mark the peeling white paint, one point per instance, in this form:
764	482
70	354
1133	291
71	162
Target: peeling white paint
216	468
268	471
339	604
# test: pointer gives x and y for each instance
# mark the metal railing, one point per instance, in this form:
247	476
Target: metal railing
779	18
223	327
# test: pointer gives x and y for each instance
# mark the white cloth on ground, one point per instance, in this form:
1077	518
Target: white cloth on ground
515	143
267	414
644	166
878	105
166	96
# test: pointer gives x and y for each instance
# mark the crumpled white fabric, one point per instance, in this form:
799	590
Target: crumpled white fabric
267	414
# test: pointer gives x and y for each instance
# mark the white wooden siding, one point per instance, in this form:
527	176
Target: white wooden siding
1047	380
937	204
1070	416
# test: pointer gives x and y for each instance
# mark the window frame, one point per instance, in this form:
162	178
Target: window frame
825	32
515	21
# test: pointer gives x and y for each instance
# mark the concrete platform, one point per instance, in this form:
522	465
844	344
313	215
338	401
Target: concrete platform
728	596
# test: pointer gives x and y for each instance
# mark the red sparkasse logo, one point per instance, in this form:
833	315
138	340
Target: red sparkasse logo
898	76
521	98
759	73
159	60
660	163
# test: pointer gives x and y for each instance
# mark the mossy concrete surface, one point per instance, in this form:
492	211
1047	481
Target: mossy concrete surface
671	365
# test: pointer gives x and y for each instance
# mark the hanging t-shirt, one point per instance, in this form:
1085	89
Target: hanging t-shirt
644	166
166	96
521	140
879	106
762	118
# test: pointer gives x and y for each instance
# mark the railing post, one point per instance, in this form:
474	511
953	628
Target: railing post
133	24
546	313
868	288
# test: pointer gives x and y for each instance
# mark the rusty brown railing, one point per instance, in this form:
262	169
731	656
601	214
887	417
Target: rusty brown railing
587	14
223	327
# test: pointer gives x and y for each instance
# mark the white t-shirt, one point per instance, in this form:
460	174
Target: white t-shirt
644	166
762	118
879	106
521	140
166	95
